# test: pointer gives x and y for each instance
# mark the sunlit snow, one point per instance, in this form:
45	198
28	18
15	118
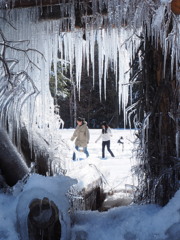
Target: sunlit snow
116	171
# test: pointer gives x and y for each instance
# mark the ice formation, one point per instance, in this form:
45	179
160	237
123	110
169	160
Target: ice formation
115	26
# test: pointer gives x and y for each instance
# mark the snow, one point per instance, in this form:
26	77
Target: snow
117	171
131	222
15	206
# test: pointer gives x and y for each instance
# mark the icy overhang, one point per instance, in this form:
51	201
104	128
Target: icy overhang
101	6
35	3
78	12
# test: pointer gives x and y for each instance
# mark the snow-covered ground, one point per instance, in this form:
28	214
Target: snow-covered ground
132	222
148	222
115	172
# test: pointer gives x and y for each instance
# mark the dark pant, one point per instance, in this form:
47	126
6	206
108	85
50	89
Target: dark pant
106	143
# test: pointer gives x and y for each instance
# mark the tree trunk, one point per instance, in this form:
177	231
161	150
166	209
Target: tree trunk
12	164
158	131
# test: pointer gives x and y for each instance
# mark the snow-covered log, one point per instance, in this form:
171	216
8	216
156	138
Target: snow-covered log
43	217
12	164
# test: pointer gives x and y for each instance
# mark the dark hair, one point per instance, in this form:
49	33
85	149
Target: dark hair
106	127
80	119
104	123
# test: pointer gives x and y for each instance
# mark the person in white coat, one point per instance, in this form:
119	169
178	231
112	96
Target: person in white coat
105	135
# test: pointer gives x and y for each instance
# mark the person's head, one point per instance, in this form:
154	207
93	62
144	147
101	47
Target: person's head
80	121
104	124
104	127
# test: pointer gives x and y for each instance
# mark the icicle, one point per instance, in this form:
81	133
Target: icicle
87	47
100	61
113	33
78	59
92	36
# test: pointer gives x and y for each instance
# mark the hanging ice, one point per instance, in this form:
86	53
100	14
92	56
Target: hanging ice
114	27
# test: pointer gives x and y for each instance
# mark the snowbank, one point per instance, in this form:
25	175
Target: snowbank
134	222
